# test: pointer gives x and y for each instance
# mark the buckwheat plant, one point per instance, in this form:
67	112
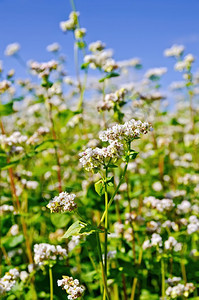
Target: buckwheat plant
99	173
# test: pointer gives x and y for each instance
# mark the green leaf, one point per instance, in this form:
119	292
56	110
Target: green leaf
174	122
99	187
4	165
112	166
60	220
6	109
88	276
74	229
154	77
110	181
17	99
85	66
88	229
138	66
109	75
39	148
46	83
45	145
133	154
65	115
12	242
80	228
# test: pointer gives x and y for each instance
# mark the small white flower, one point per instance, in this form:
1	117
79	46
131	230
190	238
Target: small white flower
96	46
12	49
14	230
55	47
157	186
80	33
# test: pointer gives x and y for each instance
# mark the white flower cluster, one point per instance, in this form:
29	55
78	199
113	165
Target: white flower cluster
80	33
118	228
172	244
160	205
153	226
71	286
40	132
71	23
176	194
112	98
175	50
177	85
12	49
43	253
14	230
189	178
96	46
95	158
16	138
170	224
128	131
190	139
55	47
57	235
172	281
102	60
152	96
156	240
133	217
23	275
193	225
29	184
62	203
184	64
155	73
133	62
8	280
6	208
4	86
184	207
180	290
43	69
73	242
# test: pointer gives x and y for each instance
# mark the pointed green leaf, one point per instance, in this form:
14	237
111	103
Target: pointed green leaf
109	75
99	187
6	109
74	229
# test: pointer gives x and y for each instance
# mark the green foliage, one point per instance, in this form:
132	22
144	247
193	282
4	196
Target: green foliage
108	76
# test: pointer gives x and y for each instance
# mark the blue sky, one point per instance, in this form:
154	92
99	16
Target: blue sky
133	28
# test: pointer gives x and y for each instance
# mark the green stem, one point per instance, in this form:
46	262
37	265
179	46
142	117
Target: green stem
163	278
80	104
102	267
51	282
116	190
136	279
54	135
106	230
73	5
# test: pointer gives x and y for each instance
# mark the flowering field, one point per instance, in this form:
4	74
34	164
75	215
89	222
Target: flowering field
99	178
